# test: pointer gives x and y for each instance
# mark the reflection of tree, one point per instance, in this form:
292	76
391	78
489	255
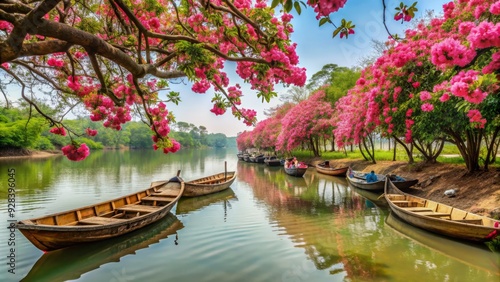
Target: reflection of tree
323	218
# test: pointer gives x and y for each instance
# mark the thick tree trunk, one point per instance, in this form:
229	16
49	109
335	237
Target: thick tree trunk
407	150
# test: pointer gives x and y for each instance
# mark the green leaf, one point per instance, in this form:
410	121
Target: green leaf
297	7
288	6
275	3
335	32
323	21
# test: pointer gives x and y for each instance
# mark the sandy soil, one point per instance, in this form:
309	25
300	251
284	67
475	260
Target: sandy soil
478	193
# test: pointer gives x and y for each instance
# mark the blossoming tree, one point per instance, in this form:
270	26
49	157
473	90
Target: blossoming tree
441	81
115	57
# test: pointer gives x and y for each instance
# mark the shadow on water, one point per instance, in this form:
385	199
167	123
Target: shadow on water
81	259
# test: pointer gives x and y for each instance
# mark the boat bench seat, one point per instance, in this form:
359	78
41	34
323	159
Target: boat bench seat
418	209
158	198
98	220
470	221
436	214
401	203
138	208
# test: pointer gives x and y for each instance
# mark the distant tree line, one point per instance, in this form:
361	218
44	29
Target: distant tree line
20	130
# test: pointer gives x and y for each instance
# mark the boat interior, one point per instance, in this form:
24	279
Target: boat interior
437	210
117	210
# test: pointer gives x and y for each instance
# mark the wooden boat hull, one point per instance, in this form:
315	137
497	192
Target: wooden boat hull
440	218
272	161
210	184
104	220
297	172
357	180
332	171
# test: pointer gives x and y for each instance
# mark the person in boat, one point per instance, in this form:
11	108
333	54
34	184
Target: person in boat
371	177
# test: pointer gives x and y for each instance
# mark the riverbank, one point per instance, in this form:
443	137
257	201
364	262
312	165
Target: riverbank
24	153
478	193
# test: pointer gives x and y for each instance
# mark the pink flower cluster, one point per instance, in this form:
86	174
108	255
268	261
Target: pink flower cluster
218	109
55	62
160	119
76	154
58	130
450	52
91	132
323	8
476	118
462	85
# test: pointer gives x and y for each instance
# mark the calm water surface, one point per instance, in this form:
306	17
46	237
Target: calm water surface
268	227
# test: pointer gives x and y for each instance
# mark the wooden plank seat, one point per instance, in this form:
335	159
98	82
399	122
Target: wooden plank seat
435	214
98	220
166	193
138	208
401	203
158	198
418	209
470	221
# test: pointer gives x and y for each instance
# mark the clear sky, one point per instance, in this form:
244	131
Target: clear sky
316	48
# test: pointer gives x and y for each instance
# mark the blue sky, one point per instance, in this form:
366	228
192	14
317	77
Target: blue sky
316	48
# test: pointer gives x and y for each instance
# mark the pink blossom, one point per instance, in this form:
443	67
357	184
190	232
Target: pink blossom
76	154
445	97
426	107
59	131
476	117
495	8
91	132
54	62
451	52
424	96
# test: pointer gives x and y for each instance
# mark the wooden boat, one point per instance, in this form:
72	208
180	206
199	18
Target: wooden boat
210	184
297	170
325	168
103	220
272	161
81	259
357	179
440	218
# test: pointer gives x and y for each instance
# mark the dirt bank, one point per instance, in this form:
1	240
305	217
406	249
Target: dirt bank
478	193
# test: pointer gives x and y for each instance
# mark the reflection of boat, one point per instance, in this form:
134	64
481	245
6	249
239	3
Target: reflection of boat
374	197
325	168
210	184
186	205
103	220
440	218
467	253
70	263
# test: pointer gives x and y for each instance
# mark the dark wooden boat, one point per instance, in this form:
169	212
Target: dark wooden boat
357	179
260	159
81	259
103	220
272	161
440	218
325	168
295	171
210	184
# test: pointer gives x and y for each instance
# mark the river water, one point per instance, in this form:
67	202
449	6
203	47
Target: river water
268	227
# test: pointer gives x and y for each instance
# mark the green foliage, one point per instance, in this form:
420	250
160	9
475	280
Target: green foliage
43	143
20	133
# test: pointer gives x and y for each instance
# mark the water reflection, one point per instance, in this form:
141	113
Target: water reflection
84	258
187	205
476	255
342	230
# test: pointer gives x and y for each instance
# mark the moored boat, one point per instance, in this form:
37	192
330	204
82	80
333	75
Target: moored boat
358	179
294	168
440	218
272	161
209	184
325	168
103	220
